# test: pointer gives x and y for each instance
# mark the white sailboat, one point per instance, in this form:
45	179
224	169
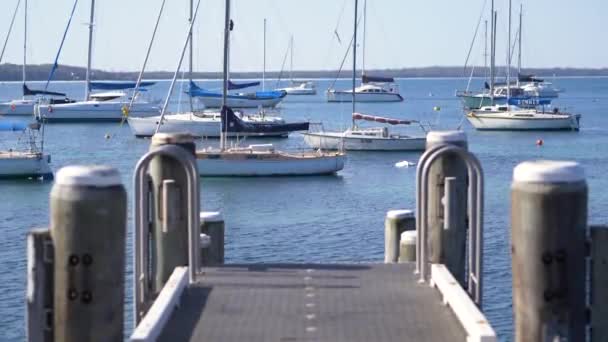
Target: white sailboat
296	87
372	88
258	160
364	139
101	107
29	161
206	124
254	99
25	105
201	124
509	117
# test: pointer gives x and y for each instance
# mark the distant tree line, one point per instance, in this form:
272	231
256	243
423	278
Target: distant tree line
12	72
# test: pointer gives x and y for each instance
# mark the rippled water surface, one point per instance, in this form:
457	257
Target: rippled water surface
318	219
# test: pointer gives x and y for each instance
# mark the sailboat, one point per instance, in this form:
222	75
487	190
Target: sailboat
527	91
108	106
296	87
25	105
207	124
513	117
263	159
28	162
361	138
372	88
255	99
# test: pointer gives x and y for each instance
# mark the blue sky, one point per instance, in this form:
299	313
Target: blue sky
401	33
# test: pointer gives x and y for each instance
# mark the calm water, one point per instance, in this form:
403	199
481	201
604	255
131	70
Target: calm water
318	219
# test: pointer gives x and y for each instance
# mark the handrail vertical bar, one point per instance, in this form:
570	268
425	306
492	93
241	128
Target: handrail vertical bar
475	213
141	275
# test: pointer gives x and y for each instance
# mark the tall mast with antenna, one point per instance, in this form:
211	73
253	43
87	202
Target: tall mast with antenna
227	27
492	49
190	42
364	37
485	52
90	52
509	57
264	66
24	41
519	41
355	57
291	59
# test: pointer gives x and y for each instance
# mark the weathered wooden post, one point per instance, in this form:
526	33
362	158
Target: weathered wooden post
599	283
447	210
549	226
170	212
88	227
407	246
396	222
212	225
40	286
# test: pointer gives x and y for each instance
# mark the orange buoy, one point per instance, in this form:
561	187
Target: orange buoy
539	142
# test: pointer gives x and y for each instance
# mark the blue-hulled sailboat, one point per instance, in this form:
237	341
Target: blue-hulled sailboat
213	99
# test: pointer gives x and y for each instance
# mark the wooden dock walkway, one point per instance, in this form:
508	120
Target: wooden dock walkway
316	302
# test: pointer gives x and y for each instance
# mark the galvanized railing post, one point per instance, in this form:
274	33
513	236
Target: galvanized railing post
143	222
475	213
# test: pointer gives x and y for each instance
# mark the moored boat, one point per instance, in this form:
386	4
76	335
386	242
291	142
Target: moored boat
27	162
213	99
366	139
208	125
511	118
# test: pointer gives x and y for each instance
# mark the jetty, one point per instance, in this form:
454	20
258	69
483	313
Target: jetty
429	287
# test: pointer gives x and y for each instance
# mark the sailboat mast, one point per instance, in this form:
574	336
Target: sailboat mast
364	37
90	51
519	41
509	57
492	29
190	42
225	84
485	52
291	59
355	57
264	66
24	41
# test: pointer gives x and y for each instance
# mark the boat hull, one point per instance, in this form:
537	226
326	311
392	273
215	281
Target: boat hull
476	102
24	165
252	165
93	111
347	96
17	107
146	127
299	91
338	141
215	101
501	122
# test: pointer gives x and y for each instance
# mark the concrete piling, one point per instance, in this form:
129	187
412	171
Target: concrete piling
170	212
447	210
396	222
212	225
88	207
407	246
549	222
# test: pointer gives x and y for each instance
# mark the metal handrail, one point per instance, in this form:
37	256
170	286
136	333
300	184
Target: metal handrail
475	213
142	219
